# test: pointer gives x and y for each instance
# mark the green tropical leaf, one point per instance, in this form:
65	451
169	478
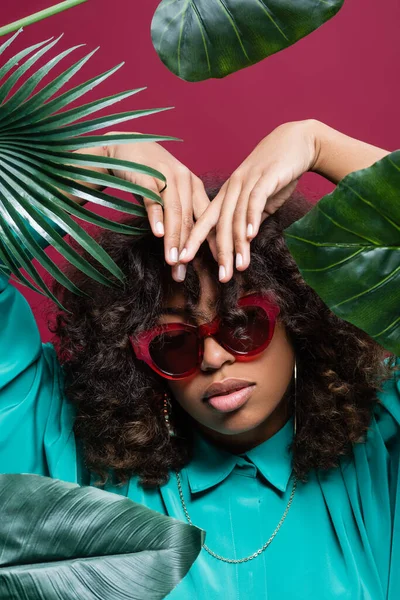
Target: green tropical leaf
19	228
18	73
87	160
32	114
38	169
60	541
348	250
201	39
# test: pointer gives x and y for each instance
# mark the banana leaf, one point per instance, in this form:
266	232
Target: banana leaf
348	250
38	169
60	541
202	39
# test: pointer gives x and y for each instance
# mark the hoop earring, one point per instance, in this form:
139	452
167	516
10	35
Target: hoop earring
167	409
295	397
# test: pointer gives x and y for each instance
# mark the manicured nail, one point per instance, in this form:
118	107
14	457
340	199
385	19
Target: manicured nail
183	254
222	272
239	260
181	272
249	230
173	255
159	227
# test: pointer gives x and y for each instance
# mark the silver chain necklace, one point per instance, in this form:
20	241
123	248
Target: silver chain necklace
235	561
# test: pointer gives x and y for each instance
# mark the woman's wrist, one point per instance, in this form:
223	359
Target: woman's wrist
337	154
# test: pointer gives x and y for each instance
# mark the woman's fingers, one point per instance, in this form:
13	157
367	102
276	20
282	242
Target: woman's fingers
172	224
202	229
200	204
278	199
184	187
241	241
199	197
269	193
154	210
224	238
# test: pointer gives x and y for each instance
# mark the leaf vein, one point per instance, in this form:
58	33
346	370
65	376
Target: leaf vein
235	29
374	287
373	206
268	11
202	31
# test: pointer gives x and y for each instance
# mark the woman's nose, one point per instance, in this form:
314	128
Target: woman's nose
215	355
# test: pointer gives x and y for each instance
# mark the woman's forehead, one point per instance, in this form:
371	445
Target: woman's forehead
176	304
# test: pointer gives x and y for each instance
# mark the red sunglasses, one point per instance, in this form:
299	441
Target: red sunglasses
175	350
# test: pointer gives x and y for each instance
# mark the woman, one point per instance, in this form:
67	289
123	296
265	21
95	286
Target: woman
233	398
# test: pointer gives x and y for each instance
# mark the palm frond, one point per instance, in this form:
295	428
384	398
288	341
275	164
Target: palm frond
38	169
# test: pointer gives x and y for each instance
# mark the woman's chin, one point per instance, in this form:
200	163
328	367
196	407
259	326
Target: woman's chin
239	422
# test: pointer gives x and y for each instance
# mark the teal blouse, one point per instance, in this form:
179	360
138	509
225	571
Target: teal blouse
341	537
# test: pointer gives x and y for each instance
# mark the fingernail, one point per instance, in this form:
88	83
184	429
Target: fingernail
249	230
181	272
183	254
173	255
239	260
159	227
222	272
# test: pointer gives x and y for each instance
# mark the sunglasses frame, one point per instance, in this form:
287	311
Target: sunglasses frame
141	342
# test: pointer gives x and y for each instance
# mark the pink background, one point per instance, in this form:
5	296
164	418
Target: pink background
345	74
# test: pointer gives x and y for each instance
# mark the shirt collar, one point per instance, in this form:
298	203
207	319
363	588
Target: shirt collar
210	465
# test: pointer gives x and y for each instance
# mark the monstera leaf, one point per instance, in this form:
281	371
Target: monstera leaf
201	39
348	250
59	541
37	168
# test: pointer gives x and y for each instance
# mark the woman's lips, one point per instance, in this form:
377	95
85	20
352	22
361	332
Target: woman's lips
232	401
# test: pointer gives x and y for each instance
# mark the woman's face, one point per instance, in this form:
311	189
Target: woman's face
265	409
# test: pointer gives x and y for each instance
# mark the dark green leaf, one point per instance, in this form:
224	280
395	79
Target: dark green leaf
21	256
15	60
28	187
21	231
76	129
10	40
348	249
103	545
12	80
17	120
26	89
60	102
200	39
37	169
39	224
89	176
29	119
7	259
54	176
88	141
87	160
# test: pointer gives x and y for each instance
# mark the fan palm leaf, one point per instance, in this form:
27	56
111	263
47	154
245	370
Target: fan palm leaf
38	170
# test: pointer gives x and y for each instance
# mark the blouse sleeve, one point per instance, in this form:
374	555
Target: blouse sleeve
35	421
387	420
20	345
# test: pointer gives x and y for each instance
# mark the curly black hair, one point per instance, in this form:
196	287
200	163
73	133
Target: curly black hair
118	398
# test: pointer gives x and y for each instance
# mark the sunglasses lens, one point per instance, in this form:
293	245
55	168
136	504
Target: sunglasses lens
175	352
247	334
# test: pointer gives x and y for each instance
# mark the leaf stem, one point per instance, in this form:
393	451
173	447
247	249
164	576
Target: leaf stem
43	14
